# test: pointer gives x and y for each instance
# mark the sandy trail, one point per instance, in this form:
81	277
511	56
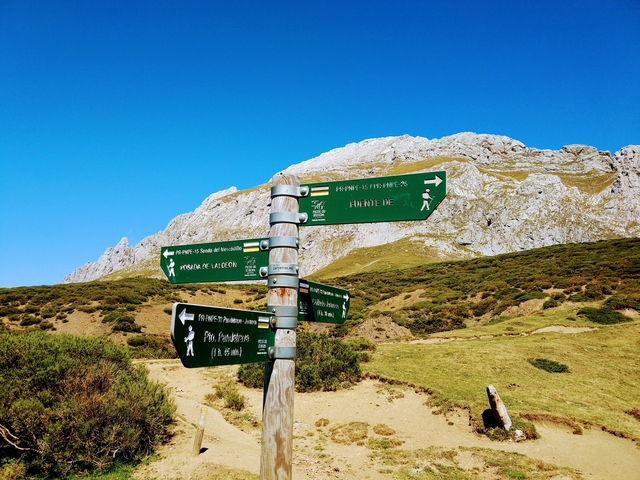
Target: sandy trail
596	454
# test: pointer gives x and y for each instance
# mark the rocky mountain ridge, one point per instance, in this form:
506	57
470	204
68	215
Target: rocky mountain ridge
502	197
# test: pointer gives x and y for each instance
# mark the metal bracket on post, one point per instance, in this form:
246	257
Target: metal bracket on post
291	242
284	353
286	316
283	281
288	217
289	191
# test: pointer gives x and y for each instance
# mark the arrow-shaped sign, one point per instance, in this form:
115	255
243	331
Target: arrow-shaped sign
434	181
167	253
184	316
396	198
322	303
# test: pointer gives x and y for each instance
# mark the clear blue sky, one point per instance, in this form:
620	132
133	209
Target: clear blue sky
116	116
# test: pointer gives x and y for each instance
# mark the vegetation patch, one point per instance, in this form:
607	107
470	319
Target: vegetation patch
228	400
384	430
550	366
603	316
233	399
322	363
456	294
456	374
69	404
520	430
510	465
348	433
437	463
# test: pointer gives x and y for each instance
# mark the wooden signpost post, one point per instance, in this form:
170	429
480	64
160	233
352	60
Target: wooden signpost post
207	336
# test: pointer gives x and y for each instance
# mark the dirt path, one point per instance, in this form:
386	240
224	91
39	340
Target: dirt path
596	454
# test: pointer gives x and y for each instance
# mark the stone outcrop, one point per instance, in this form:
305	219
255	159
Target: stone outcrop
502	197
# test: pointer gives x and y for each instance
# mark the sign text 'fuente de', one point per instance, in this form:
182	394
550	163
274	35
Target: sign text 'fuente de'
383	199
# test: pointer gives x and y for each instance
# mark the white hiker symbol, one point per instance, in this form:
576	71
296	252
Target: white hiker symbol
189	341
344	306
426	200
172	264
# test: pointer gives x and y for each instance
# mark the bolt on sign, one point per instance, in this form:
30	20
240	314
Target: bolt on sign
216	262
383	199
207	336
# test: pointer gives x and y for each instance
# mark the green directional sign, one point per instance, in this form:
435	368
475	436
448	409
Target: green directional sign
322	303
383	199
207	336
216	262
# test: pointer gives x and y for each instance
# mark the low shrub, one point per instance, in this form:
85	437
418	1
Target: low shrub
151	346
136	341
70	404
622	302
29	320
362	344
233	399
603	316
322	363
434	324
122	322
550	366
45	325
251	375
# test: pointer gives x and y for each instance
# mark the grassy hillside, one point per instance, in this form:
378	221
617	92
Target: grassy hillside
134	311
453	295
497	320
491	320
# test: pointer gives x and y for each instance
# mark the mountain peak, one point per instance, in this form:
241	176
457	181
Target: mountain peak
502	196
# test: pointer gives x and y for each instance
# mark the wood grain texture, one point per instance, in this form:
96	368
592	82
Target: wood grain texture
277	415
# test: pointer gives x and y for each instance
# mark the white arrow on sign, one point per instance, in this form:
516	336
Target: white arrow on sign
167	253
434	181
184	316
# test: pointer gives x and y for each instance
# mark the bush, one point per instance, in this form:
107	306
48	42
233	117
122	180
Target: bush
603	316
29	320
74	403
550	366
122	322
136	341
362	344
151	346
251	375
228	391
622	302
484	306
425	326
322	363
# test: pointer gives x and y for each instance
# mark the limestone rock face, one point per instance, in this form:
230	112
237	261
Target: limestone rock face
502	197
113	259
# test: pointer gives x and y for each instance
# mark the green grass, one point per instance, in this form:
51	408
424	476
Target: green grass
436	463
475	291
600	388
402	254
